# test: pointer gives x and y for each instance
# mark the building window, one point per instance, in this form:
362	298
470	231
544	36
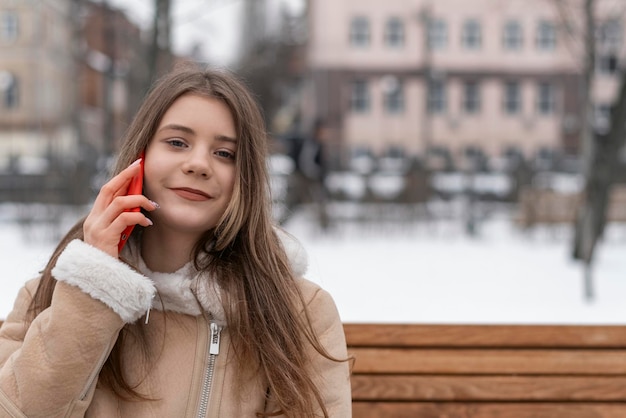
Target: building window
602	118
393	91
546	98
394	32
437	34
9	90
607	63
360	32
360	97
471	37
471	97
609	40
512	98
609	34
512	37
546	36
436	96
8	26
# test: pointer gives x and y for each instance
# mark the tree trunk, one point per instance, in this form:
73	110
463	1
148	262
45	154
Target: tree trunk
593	214
159	55
584	227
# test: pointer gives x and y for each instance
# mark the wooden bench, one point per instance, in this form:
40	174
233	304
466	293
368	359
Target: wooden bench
487	371
433	371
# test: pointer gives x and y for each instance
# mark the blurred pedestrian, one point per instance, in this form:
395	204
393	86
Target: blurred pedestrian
310	155
204	312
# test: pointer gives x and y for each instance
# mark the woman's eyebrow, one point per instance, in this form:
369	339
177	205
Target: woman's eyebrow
225	138
177	127
188	130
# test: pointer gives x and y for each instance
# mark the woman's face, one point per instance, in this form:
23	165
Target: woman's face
190	164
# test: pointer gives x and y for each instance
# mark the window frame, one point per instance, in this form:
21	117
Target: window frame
437	34
512	35
360	100
394	32
601	117
471	35
546	36
545	105
360	32
610	33
607	63
472	102
436	97
10	92
9	26
394	98
512	97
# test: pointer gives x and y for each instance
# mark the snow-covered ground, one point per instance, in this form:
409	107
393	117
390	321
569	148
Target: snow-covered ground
436	274
423	272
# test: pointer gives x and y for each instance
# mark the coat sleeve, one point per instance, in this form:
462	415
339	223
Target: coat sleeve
332	377
49	367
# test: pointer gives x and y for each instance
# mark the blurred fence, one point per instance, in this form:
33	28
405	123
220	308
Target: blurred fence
42	203
550	207
412	193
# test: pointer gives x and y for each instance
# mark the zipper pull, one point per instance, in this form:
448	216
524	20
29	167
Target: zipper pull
214	347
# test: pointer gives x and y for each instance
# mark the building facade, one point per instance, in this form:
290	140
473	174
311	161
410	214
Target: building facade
72	74
489	75
114	75
35	81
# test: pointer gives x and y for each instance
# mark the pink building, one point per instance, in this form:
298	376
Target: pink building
496	75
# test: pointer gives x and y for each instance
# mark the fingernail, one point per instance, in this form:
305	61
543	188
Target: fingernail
137	161
149	222
155	204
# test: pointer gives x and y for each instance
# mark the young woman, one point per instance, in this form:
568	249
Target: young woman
204	312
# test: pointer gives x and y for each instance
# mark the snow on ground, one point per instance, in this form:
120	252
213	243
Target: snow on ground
436	274
422	272
21	260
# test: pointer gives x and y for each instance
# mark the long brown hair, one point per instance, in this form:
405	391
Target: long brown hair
261	299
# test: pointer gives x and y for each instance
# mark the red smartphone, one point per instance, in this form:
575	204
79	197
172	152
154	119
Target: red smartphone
135	187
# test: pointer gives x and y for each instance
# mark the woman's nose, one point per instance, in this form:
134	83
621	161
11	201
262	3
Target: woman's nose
198	165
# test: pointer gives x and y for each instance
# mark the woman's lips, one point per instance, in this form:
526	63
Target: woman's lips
191	194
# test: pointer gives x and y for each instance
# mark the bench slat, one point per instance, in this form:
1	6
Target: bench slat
411	335
488	361
487	388
486	410
412	410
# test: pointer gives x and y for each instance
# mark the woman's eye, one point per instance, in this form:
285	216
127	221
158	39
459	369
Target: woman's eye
226	154
176	143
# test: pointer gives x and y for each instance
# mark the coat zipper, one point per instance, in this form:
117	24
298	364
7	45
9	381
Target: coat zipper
95	373
214	350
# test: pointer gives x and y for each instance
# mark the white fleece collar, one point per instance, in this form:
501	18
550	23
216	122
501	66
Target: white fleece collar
176	290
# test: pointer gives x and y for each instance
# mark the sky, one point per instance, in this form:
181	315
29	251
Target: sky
214	24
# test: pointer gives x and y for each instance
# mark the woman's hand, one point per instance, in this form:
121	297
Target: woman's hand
109	217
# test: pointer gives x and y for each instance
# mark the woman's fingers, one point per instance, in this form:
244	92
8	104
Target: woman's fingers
113	211
121	204
117	186
106	236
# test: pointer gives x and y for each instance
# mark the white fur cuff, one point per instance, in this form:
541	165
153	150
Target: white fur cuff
106	279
